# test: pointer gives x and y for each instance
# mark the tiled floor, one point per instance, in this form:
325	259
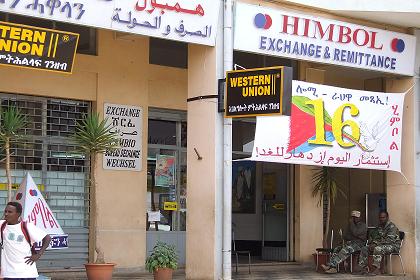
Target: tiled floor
258	272
296	271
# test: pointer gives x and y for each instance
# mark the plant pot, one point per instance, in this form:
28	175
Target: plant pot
99	271
322	259
163	274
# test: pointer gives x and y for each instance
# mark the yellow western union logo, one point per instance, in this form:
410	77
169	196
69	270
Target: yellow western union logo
53	45
22	40
256	85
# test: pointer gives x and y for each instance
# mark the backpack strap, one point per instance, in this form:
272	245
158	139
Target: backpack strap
25	231
3	226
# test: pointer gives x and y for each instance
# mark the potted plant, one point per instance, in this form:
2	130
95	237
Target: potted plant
92	137
326	188
162	261
11	125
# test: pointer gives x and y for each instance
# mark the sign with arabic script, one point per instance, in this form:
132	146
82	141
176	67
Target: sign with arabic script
37	48
259	91
276	32
127	123
191	21
337	127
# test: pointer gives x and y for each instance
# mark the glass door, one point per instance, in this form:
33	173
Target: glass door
167	139
275	214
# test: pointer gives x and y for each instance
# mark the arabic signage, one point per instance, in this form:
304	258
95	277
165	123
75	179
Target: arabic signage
191	21
127	123
282	33
261	91
332	126
35	210
37	48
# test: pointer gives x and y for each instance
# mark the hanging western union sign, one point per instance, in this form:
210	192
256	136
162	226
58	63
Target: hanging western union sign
261	91
37	48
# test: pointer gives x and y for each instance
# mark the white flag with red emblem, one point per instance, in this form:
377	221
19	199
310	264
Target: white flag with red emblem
36	211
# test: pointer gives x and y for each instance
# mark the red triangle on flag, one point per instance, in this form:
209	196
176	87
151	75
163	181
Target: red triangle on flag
302	127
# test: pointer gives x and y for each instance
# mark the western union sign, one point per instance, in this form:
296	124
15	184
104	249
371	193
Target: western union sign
261	91
37	48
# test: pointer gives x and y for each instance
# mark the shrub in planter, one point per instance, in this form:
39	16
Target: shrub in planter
162	261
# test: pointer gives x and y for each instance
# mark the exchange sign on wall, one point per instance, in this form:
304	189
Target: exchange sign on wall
127	123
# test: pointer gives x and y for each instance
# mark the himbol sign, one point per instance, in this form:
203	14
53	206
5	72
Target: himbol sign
332	126
192	21
260	91
282	33
37	48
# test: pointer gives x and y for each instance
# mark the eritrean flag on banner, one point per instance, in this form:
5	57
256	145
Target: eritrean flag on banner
337	127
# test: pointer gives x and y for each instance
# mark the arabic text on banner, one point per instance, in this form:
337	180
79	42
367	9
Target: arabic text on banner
332	126
190	21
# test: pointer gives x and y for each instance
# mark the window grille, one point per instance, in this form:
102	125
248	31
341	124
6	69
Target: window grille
47	152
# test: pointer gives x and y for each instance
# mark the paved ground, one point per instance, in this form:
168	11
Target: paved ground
258	272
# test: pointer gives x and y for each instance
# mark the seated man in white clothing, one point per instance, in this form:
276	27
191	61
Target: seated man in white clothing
17	257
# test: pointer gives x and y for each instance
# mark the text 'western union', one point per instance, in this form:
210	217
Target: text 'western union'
22	40
256	85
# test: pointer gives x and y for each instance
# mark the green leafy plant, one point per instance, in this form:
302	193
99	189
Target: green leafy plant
92	137
326	188
11	125
163	256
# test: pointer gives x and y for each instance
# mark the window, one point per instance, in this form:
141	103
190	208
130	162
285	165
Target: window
168	53
87	38
249	60
243	132
167	136
47	153
162	132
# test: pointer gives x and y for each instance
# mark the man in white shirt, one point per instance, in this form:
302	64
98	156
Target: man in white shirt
17	258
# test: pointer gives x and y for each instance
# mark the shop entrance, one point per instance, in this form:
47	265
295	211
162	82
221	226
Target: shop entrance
167	153
275	221
261	210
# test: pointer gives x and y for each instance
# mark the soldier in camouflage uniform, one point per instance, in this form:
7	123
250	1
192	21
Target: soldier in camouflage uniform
385	239
354	240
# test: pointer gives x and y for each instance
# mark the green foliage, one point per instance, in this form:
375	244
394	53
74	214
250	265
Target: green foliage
300	102
12	122
94	135
324	182
163	256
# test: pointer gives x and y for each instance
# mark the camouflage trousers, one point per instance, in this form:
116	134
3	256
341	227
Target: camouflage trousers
341	253
377	254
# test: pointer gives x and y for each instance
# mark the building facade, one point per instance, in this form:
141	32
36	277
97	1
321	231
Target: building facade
175	82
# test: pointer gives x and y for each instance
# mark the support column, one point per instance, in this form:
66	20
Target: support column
204	218
401	190
308	221
417	151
